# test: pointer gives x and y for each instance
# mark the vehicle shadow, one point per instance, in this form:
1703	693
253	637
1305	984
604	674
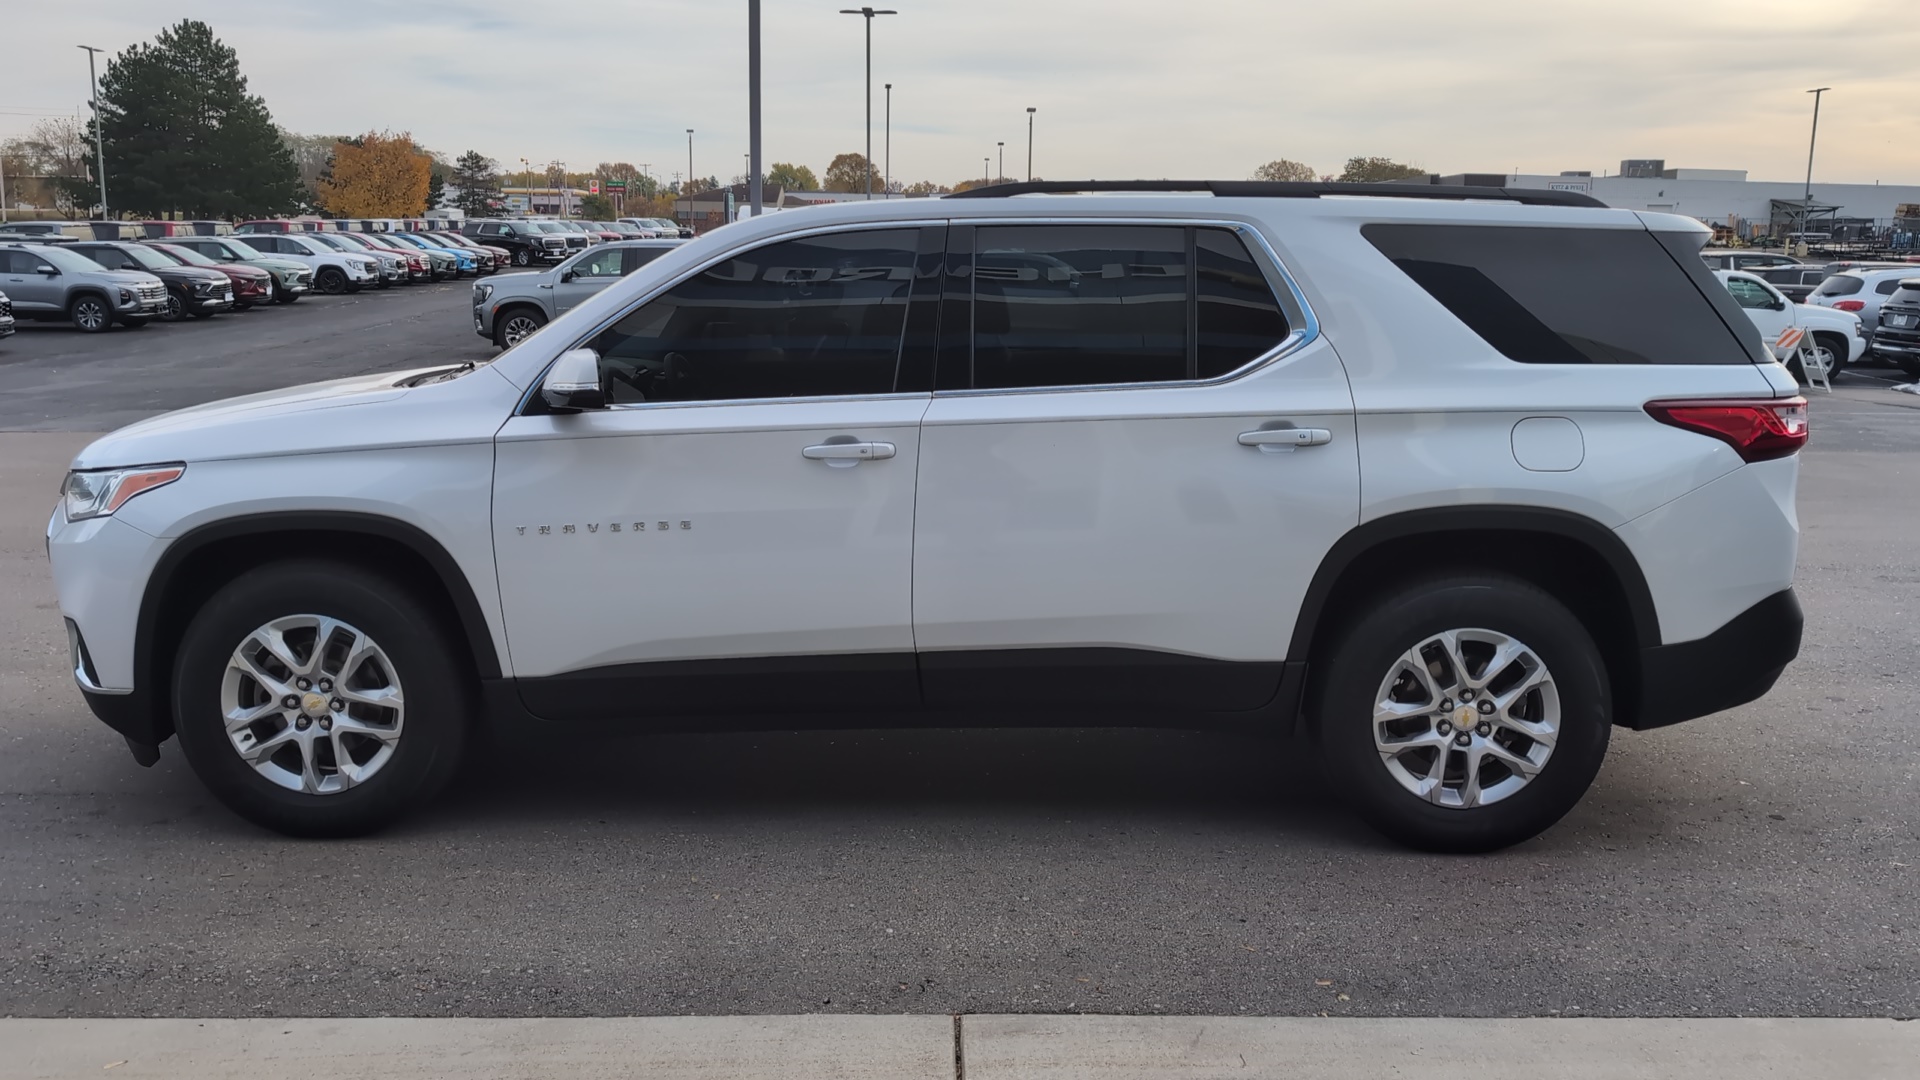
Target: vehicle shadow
560	776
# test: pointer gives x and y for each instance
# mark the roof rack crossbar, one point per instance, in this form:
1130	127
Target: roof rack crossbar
1263	189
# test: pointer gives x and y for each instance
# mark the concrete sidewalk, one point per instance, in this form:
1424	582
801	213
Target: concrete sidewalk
975	1048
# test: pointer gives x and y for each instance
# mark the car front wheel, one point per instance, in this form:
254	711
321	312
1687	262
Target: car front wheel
516	325
1464	713
523	257
175	310
90	314
331	281
316	699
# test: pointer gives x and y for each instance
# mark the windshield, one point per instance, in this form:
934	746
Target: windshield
148	257
68	261
184	254
329	241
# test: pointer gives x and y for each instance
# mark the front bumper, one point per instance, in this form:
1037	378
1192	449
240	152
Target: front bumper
1903	343
1733	665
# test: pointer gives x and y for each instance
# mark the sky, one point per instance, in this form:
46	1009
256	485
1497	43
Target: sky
1123	88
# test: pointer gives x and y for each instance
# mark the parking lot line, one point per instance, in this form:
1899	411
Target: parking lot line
992	1048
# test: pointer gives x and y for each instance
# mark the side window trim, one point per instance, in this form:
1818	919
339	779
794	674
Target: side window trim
957	316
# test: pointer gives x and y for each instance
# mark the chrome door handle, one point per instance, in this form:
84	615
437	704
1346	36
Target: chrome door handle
845	455
1274	440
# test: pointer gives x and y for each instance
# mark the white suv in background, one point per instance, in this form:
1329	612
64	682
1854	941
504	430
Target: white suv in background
334	272
1839	338
1389	470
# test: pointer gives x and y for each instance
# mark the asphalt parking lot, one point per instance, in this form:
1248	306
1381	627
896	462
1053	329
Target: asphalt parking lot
1761	862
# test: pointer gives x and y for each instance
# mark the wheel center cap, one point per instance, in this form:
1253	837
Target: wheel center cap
1464	718
314	705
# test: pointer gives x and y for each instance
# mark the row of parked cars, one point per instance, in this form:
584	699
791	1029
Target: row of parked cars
1882	298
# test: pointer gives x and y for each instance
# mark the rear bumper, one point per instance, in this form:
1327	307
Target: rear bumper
1733	665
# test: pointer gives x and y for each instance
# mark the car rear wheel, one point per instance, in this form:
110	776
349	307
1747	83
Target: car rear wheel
317	699
90	314
330	280
516	325
1464	713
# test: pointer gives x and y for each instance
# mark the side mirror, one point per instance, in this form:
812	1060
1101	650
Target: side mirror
568	275
573	382
48	269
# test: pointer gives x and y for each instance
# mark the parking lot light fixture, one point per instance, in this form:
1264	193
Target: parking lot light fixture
99	141
1806	208
868	13
886	173
1002	175
1030	111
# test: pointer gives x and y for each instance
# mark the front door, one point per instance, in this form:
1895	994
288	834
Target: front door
1769	311
25	284
586	276
736	530
1126	492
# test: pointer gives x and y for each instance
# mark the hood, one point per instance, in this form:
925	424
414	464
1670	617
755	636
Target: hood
509	278
189	273
207	430
274	265
131	277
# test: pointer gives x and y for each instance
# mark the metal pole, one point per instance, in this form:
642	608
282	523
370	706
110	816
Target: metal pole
1030	111
986	163
99	139
3	188
687	188
886	177
868	13
754	193
1806	208
1003	160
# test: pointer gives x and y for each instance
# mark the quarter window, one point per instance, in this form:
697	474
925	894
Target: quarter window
1571	296
812	317
1886	287
1087	305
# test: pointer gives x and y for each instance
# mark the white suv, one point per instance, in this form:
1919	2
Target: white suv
1390	470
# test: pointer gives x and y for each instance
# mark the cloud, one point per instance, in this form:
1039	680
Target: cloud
1124	88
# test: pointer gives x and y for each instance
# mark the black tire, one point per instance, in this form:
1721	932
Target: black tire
1837	348
512	320
176	309
89	314
522	257
1367	649
330	280
438	695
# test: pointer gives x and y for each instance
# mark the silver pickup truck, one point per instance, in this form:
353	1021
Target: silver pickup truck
509	307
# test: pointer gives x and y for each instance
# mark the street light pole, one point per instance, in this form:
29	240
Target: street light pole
986	164
755	194
1030	112
526	169
99	140
868	13
1806	208
1003	160
886	176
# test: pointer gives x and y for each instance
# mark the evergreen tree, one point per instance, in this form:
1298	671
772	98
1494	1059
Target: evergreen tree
436	188
478	179
182	133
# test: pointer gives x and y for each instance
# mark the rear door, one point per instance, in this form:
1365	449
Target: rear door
1138	455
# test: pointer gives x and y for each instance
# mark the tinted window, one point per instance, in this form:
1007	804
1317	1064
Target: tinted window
1238	318
1886	287
639	257
1076	305
823	315
111	258
1840	285
1568	296
1749	294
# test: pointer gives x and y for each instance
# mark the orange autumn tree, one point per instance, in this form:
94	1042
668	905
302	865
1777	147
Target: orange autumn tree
378	175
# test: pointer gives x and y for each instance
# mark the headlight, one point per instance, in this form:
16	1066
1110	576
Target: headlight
99	492
481	293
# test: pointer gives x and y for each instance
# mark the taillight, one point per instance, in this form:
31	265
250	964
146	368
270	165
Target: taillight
1849	305
1758	430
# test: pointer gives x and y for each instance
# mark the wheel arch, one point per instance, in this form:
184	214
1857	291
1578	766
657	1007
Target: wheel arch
1574	557
205	558
78	291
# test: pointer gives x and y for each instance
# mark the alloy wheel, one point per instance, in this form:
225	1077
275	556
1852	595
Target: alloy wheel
90	315
312	704
518	328
1466	718
176	309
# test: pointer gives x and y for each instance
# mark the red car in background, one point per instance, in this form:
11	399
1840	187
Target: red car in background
251	285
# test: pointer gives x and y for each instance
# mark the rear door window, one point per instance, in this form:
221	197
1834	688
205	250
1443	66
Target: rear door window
1572	296
1092	305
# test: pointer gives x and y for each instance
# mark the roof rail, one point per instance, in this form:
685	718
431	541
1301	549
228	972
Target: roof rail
1263	189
